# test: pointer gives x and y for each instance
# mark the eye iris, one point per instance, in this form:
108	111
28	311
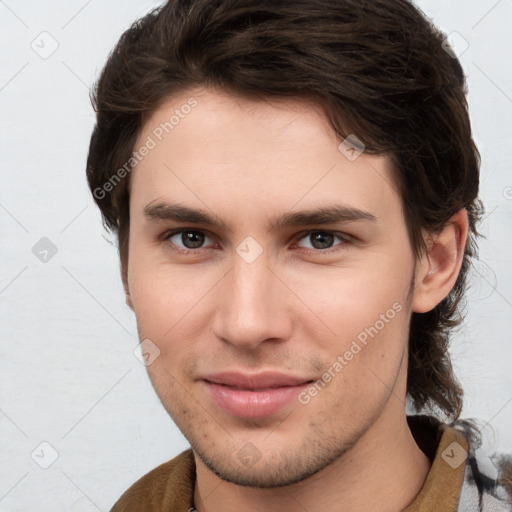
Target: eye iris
192	237
319	240
325	240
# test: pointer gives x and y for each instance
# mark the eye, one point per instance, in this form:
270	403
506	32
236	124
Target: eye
322	240
193	240
189	238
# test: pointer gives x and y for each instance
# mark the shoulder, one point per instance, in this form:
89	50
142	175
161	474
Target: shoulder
487	484
169	487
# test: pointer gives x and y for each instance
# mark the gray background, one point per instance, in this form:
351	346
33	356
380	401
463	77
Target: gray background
68	373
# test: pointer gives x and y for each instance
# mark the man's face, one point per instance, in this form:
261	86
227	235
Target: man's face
322	304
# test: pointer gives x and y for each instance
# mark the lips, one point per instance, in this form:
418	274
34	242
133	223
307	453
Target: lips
258	381
253	395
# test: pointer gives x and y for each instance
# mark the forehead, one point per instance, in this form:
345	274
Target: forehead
252	154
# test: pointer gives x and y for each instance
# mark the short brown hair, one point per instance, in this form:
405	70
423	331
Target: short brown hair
378	69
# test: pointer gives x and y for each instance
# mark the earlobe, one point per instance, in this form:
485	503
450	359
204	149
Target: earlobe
440	265
128	298
124	279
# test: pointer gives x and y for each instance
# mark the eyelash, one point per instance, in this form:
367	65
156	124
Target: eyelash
345	239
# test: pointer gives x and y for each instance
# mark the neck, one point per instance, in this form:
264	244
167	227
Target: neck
385	470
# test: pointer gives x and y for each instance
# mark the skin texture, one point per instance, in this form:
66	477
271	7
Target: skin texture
294	309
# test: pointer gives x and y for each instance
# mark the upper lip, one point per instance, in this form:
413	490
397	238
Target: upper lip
255	381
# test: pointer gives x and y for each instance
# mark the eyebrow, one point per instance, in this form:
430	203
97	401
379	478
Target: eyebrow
323	215
163	211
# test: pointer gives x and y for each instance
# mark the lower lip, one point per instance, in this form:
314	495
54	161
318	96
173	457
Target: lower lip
253	404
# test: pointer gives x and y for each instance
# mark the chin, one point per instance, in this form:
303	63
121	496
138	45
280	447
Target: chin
248	467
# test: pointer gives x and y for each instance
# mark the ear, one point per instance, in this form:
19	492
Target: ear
124	279
128	300
440	265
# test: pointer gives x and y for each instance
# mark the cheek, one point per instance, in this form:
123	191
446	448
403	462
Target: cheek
360	374
362	335
159	306
168	301
342	302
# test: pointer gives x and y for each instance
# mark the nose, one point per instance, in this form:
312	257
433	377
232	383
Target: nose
252	305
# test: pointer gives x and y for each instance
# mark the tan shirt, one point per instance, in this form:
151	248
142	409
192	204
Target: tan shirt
441	490
170	486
